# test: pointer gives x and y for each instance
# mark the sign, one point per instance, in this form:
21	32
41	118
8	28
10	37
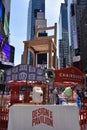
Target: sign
76	58
71	74
43	117
7	55
24	72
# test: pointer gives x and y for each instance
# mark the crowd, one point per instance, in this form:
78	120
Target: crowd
68	95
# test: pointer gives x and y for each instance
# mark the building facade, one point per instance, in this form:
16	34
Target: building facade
83	43
77	36
35	6
63	37
77	13
36	17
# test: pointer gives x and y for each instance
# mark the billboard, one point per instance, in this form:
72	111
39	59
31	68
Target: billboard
6	15
1	11
6	53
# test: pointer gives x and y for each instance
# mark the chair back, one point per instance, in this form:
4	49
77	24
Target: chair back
4	118
83	119
84	104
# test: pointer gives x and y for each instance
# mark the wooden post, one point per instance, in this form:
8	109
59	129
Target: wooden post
50	55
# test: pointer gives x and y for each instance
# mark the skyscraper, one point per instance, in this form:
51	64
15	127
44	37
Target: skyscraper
63	37
35	6
76	23
77	12
36	17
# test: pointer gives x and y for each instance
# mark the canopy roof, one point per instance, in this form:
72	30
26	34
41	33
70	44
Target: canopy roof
69	76
25	73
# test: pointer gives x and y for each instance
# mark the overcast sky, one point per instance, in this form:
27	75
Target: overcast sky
18	22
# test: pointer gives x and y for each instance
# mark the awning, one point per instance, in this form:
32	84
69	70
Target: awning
71	76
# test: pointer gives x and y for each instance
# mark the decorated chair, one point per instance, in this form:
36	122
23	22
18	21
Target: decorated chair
84	104
4	118
83	119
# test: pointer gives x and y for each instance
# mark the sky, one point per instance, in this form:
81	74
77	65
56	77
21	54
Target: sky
18	22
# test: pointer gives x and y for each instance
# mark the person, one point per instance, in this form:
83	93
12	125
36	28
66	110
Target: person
54	98
51	99
66	94
57	99
85	93
3	57
77	97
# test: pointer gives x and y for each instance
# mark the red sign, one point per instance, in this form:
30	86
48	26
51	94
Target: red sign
71	74
42	115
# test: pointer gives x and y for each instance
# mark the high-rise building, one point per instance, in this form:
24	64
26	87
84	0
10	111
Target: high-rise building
83	43
77	12
68	4
63	37
76	21
6	50
35	7
36	17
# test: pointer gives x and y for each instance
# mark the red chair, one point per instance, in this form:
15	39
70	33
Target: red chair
83	119
84	104
3	118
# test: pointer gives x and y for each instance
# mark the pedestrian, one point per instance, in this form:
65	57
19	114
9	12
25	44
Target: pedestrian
78	100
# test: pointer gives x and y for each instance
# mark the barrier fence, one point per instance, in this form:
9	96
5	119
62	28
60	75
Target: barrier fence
4	116
83	119
4	112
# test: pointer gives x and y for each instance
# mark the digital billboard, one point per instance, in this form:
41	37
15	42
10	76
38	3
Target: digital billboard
2	11
6	53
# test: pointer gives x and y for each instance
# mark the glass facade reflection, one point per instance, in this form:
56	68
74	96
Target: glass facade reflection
34	7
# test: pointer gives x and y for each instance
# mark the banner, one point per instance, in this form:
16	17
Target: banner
43	117
24	72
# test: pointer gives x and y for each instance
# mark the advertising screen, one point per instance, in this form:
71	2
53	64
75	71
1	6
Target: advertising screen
6	53
0	10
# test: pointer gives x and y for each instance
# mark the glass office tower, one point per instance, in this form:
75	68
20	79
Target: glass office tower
63	37
34	7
